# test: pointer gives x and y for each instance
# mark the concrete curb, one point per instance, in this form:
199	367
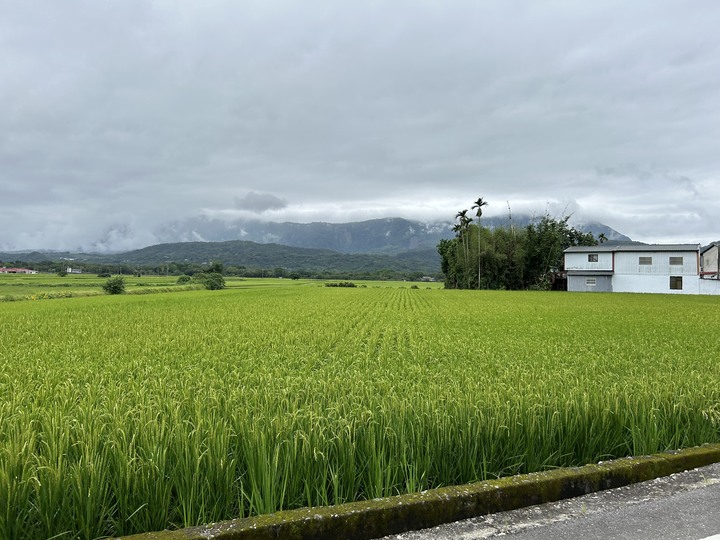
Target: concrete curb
380	517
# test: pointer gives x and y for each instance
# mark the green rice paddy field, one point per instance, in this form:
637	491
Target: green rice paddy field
122	414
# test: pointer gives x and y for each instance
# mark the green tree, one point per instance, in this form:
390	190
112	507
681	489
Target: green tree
478	206
216	267
114	285
212	281
448	263
462	230
507	258
545	243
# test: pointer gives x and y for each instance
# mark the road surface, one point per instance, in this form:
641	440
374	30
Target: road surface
683	506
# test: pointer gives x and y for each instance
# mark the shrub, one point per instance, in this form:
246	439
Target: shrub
104	274
341	284
212	281
115	285
183	280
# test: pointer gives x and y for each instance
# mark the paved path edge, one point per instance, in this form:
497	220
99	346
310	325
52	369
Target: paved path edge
364	520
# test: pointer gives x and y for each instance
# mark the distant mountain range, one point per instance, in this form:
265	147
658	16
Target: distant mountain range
251	255
392	243
255	255
389	235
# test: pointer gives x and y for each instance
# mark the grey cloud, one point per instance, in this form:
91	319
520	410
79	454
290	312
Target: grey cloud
144	112
259	202
655	179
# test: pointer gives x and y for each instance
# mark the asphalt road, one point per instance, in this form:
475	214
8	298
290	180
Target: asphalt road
684	506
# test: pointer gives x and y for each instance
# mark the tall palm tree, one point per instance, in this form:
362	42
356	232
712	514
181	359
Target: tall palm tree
461	228
478	206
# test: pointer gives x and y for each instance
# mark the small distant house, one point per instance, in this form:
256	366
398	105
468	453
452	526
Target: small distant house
658	268
70	270
17	271
709	261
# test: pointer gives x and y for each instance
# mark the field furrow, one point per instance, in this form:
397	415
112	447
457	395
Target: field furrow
135	413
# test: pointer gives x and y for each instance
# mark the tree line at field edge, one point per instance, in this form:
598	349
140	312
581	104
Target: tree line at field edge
191	268
507	258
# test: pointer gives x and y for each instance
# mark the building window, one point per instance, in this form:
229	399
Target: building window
676	261
645	261
592	257
676	283
590	281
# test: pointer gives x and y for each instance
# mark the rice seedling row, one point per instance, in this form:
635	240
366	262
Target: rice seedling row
138	413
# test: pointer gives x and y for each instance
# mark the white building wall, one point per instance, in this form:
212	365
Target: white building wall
654	284
709	286
579	261
628	263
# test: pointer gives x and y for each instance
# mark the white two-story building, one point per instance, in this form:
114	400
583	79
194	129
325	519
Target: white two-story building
659	268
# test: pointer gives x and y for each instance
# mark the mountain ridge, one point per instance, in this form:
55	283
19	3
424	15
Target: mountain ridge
383	235
247	254
396	244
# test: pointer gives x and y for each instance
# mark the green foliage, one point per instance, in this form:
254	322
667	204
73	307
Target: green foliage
196	407
345	284
210	280
545	243
507	258
184	280
248	259
104	275
115	285
16	287
216	267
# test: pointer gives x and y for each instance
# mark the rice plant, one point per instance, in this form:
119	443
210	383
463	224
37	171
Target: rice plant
134	413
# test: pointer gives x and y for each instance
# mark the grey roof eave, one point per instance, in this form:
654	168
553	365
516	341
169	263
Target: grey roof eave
695	248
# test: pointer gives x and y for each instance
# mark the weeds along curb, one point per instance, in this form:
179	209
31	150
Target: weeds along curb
380	517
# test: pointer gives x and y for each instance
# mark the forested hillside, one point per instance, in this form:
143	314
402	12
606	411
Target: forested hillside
241	257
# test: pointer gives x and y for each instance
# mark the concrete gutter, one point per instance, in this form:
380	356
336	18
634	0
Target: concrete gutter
364	520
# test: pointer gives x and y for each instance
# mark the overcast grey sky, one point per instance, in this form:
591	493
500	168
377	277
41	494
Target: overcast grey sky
119	115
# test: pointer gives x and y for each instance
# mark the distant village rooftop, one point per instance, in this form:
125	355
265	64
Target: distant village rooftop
5	270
